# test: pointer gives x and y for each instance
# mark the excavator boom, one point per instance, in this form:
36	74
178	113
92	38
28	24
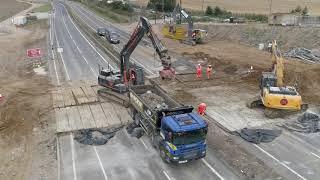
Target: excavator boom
277	61
143	27
118	81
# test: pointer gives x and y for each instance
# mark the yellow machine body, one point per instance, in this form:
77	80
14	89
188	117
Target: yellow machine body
285	98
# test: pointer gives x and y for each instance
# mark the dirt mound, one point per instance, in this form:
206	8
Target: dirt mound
254	34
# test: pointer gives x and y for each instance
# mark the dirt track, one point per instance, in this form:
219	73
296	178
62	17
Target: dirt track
26	136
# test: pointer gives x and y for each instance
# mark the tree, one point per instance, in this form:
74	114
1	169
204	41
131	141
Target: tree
305	11
168	5
298	9
217	11
209	11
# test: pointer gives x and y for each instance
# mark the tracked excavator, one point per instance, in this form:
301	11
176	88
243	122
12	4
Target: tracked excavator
277	99
189	36
131	74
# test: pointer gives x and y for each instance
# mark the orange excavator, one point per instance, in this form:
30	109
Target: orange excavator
277	99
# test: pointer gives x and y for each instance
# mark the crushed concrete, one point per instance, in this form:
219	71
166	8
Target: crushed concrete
135	130
154	101
95	136
307	123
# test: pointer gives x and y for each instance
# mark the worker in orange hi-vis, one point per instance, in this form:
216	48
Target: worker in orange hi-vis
199	71
202	109
209	71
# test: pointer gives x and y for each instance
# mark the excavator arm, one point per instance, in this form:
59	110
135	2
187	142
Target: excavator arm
143	27
277	63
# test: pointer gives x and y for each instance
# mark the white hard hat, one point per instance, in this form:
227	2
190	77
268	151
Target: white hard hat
199	64
0	95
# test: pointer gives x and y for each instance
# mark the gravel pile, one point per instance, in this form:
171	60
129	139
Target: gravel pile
307	123
95	136
304	54
135	130
154	101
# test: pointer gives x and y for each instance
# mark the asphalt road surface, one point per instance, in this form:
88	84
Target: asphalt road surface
123	157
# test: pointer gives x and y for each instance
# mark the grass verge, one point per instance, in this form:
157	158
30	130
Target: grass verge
43	8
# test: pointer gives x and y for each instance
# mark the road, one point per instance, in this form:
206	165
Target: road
123	157
144	55
292	155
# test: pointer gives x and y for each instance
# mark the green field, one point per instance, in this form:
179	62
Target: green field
43	8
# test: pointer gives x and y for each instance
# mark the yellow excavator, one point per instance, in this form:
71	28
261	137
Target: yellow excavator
278	99
177	31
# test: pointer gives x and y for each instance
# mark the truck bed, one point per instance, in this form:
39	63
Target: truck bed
139	90
154	116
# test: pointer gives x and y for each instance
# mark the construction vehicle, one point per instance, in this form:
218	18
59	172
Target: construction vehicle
130	73
277	99
175	30
178	133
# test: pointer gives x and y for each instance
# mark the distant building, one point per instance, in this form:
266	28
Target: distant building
288	19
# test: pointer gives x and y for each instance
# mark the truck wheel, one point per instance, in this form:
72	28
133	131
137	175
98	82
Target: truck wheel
163	155
137	118
155	139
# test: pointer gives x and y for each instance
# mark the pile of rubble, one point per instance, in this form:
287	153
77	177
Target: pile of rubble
304	54
154	101
307	123
95	136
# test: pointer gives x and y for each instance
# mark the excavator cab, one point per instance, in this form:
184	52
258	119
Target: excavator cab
268	79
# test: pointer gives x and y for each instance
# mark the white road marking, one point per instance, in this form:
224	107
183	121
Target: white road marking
79	50
64	65
73	157
283	164
64	22
144	144
58	156
315	155
134	60
212	169
166	174
102	168
86	38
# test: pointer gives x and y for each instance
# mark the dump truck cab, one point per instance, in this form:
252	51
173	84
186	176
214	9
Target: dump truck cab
183	137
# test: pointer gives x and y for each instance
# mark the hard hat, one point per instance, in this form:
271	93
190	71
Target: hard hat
0	95
199	64
209	65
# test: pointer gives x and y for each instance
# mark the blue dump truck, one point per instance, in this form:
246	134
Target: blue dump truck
177	131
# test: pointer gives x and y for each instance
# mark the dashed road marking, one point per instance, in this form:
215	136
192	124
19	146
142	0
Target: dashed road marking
64	65
134	60
86	38
166	174
64	22
144	144
315	155
212	169
283	164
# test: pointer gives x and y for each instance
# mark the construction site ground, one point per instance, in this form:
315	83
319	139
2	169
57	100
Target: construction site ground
233	84
27	129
